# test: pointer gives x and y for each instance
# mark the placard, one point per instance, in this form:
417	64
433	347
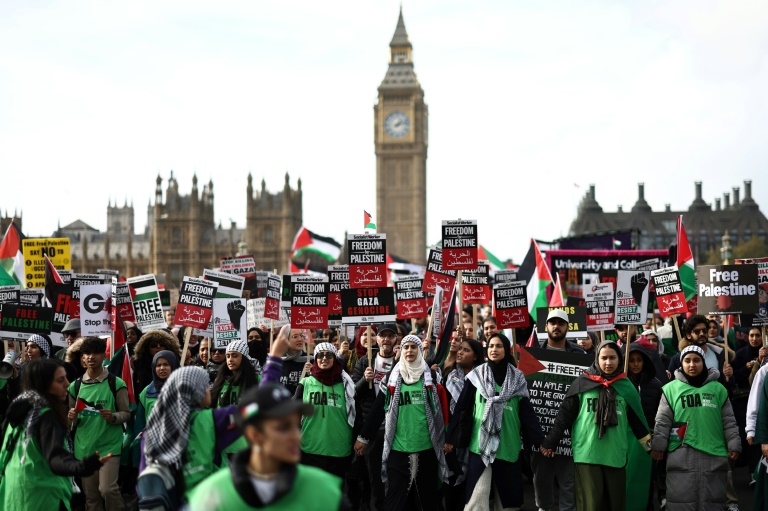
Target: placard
309	301
195	306
631	297
230	286
285	295
9	294
147	308
122	303
96	309
410	298
436	275
61	297
511	305
20	321
501	276
669	291
459	244
577	321
600	303
475	286
338	276
34	251
728	289
762	292
256	314
272	300
229	321
32	296
368	306
367	260
238	265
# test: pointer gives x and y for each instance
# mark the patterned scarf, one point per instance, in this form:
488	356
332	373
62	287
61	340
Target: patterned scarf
38	402
167	432
490	428
454	384
330	377
434	415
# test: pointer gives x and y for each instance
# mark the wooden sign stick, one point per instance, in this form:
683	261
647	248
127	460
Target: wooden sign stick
626	350
187	336
514	345
368	332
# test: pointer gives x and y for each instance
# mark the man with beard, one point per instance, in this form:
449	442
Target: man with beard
382	363
557	329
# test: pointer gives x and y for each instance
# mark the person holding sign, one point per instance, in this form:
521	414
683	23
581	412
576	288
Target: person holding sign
493	413
695	423
600	408
326	437
414	409
37	458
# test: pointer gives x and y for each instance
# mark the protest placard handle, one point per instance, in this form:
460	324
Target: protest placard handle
370	352
765	341
187	336
271	333
514	345
413	325
626	349
5	344
460	300
602	336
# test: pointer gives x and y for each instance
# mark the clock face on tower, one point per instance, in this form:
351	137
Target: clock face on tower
397	124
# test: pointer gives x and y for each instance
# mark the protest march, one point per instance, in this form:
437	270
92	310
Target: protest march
454	385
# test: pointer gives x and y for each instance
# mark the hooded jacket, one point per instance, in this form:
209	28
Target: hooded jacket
647	384
143	359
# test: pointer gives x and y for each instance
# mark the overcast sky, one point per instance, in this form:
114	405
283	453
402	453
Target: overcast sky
529	103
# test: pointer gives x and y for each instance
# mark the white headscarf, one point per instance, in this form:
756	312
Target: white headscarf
412	371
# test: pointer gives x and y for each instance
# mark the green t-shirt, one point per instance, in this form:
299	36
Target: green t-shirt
510	442
93	432
412	433
701	411
147	402
611	450
326	432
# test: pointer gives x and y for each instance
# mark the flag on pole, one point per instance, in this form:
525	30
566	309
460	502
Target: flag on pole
533	341
308	241
535	272
685	263
127	377
52	279
11	257
368	224
558	298
616	243
444	336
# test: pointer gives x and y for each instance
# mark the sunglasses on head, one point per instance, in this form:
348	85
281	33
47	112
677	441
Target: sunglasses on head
324	354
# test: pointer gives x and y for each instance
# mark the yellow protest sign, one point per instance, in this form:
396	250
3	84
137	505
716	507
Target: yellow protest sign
35	250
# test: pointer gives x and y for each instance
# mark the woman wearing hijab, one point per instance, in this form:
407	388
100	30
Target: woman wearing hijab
177	442
235	376
695	424
600	408
495	412
146	349
332	393
38	346
163	363
37	459
414	409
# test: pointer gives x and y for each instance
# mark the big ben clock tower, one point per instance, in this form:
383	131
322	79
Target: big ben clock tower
400	134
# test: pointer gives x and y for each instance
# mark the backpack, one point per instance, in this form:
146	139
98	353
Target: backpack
111	380
156	488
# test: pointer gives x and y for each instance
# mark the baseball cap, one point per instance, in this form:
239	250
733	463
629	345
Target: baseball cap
388	326
269	401
557	313
71	325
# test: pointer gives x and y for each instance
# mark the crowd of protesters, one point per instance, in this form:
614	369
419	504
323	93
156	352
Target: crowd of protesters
305	419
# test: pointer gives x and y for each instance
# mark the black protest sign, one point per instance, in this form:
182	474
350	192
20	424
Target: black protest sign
549	375
669	291
632	290
411	299
577	321
475	286
285	296
599	302
367	260
20	321
511	305
78	280
728	289
195	306
436	275
460	244
338	277
272	301
761	318
368	306
502	276
9	294
309	301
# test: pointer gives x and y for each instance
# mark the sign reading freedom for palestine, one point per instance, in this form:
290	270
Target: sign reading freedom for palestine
459	244
309	301
367	260
411	300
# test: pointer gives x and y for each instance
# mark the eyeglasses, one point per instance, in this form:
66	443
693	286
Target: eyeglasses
387	335
699	331
324	354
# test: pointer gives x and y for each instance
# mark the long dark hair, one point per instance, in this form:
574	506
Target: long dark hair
245	377
477	349
38	376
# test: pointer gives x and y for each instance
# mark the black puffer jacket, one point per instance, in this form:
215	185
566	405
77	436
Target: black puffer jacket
647	384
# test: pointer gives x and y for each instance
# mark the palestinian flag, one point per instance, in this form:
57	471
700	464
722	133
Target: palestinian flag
307	241
11	258
495	262
677	433
526	362
84	407
444	339
533	341
127	376
535	272
143	288
558	298
368	224
685	262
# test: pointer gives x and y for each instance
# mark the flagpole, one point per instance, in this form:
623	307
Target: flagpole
370	352
459	282
514	345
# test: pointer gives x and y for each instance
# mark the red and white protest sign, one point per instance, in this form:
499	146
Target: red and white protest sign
460	244
367	260
670	296
195	306
475	285
600	303
121	300
511	305
411	300
338	277
436	275
309	301
272	302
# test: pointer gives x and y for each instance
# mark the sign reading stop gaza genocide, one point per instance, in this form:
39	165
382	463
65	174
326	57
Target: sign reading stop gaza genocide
437	276
511	304
338	277
367	260
309	301
411	300
727	289
459	244
195	306
368	306
670	296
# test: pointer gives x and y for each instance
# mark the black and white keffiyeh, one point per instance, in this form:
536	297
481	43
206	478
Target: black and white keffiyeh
241	346
349	385
167	432
38	402
454	384
43	343
490	429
